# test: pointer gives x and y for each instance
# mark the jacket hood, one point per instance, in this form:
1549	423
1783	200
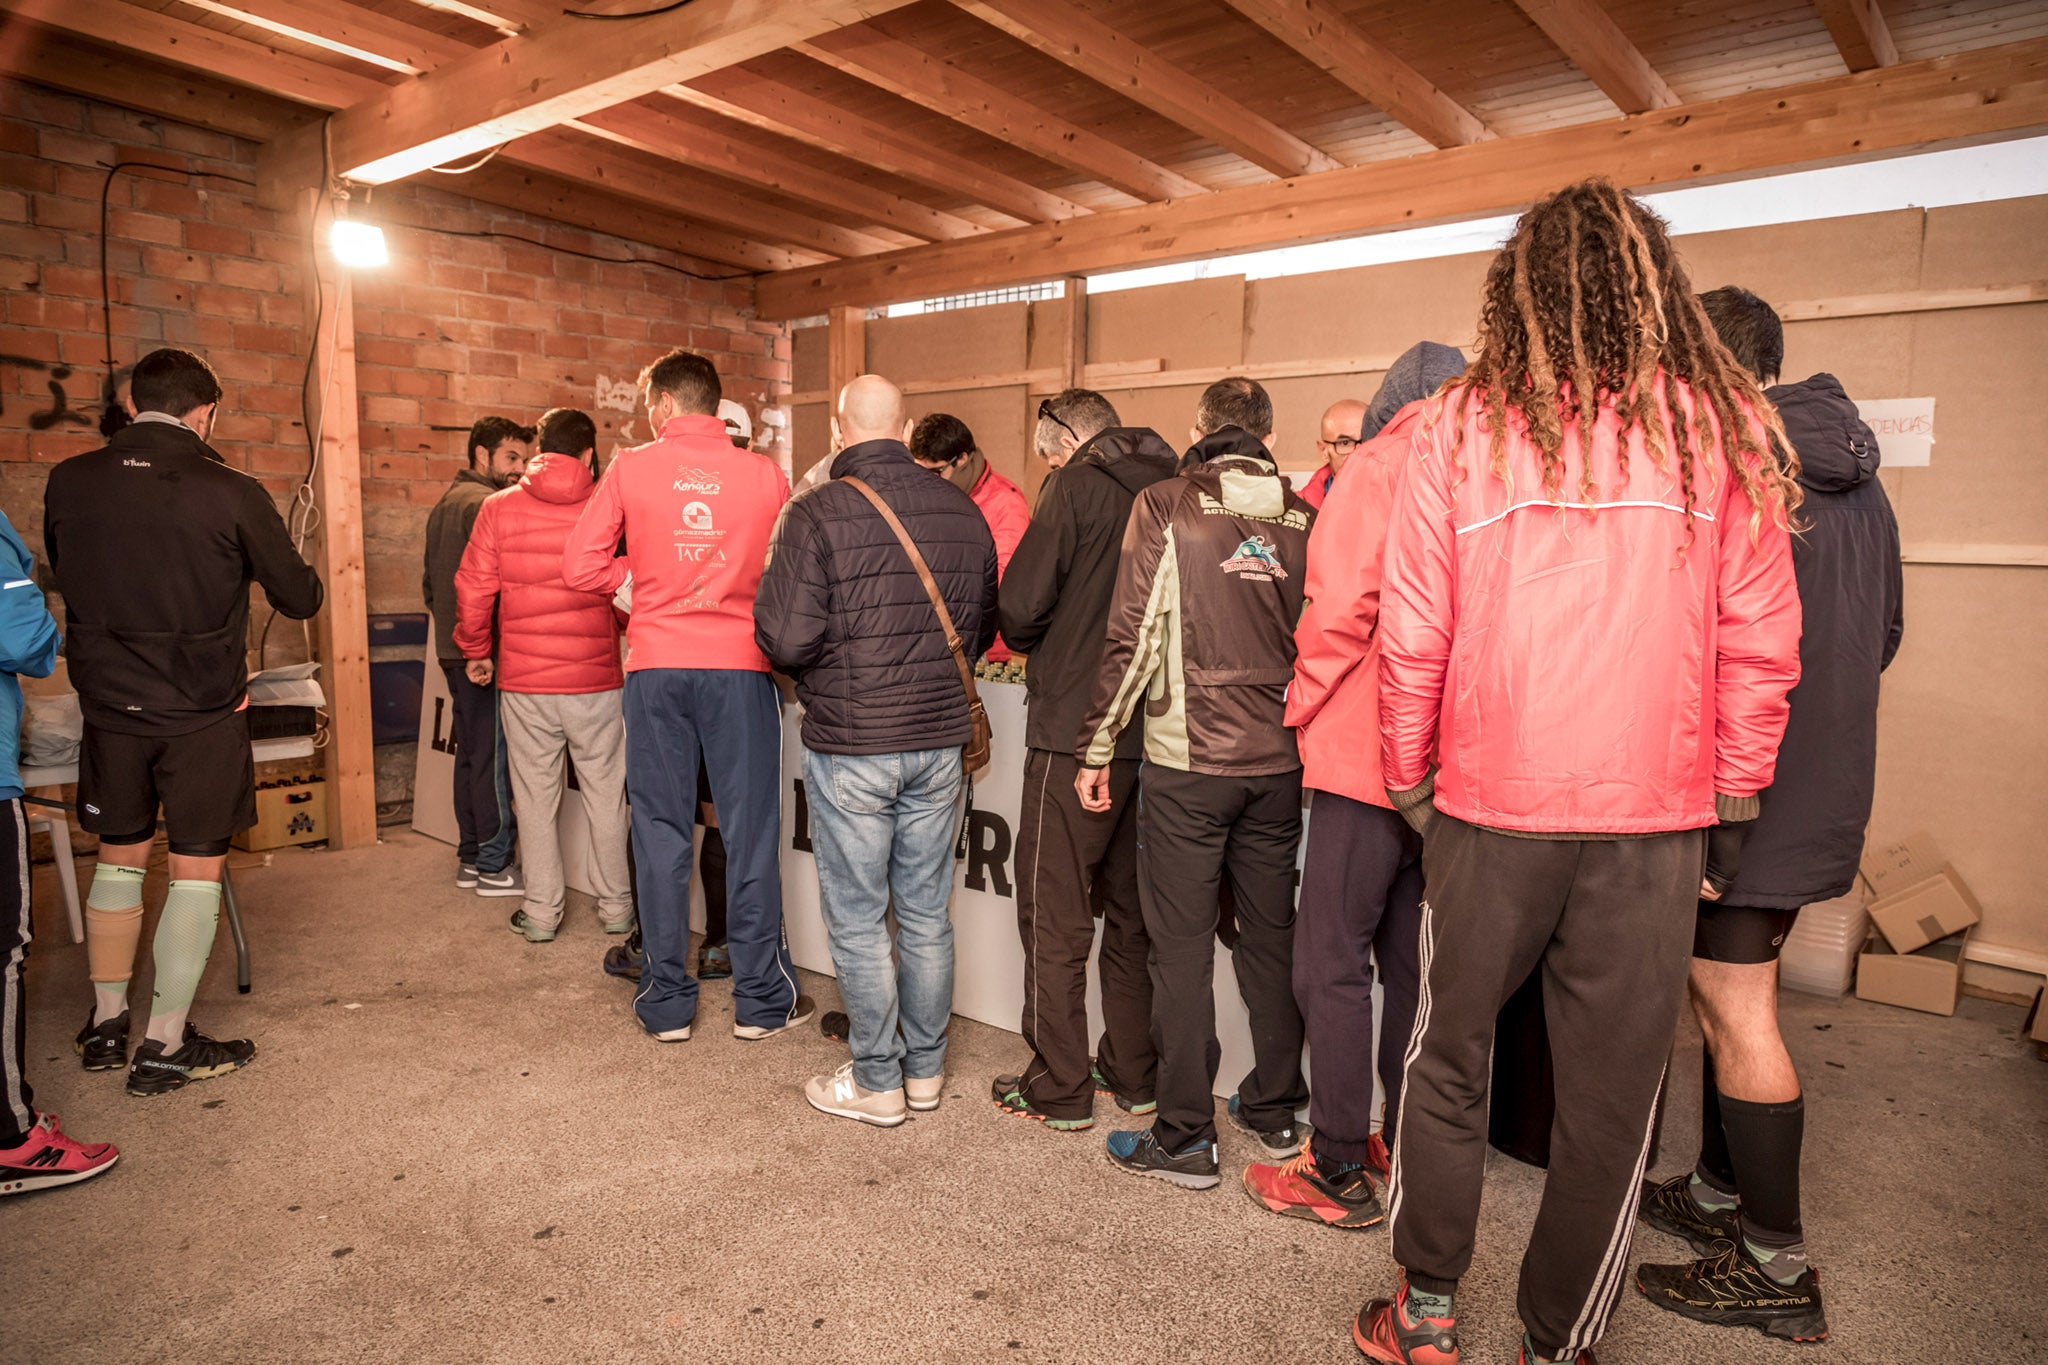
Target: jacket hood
1222	442
554	477
1234	467
1419	372
1136	457
1837	450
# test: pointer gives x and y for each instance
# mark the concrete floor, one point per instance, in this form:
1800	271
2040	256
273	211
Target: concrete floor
456	1146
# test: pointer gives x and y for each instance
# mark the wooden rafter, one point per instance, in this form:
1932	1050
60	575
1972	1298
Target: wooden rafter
34	53
871	55
1318	32
1098	51
1860	33
1983	94
1587	34
350	30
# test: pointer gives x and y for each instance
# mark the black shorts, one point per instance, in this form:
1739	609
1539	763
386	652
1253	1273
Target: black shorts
1740	934
205	782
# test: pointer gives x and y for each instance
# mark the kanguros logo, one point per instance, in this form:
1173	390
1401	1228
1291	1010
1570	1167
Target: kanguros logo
696	481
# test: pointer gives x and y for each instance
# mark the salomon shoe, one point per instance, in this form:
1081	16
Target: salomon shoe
104	1046
1137	1151
47	1157
1128	1103
1730	1290
1385	1332
198	1058
1341	1196
1671	1209
626	959
1281	1142
1008	1092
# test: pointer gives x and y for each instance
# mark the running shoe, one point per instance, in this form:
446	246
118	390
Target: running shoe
522	923
1008	1093
1341	1197
1378	1159
630	924
198	1058
1284	1141
1137	1151
465	876
1384	1332
1671	1209
840	1095
799	1014
714	962
103	1046
48	1157
506	883
835	1025
1124	1102
1729	1289
626	959
921	1093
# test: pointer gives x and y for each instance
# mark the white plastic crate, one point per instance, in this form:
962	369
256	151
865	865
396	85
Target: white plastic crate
1819	956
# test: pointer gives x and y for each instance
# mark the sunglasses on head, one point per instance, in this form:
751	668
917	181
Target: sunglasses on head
1046	413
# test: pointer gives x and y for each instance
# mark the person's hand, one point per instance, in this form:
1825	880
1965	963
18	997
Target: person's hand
1092	786
1724	857
1708	891
481	671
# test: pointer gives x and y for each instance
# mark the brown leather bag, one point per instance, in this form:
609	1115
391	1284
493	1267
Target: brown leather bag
974	753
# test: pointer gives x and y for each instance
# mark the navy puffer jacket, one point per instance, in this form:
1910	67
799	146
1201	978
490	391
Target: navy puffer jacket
842	612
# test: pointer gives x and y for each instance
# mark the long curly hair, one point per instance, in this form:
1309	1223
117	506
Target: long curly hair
1588	307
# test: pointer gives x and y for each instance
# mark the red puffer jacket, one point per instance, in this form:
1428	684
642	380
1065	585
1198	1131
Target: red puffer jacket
551	637
1008	516
1579	671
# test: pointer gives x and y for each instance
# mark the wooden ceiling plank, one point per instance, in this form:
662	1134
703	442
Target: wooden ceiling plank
1083	42
1587	35
909	72
770	104
350	30
1980	95
1323	35
1861	35
48	58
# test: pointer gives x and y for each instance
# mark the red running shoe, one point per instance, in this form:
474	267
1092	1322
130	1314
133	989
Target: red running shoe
1299	1189
1379	1160
1385	1333
47	1158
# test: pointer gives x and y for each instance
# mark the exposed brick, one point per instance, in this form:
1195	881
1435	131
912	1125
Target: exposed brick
262	337
257	275
379	350
238	305
200	142
449	275
225	241
177	265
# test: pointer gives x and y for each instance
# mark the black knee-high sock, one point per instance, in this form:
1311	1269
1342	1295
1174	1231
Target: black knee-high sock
1715	1164
1764	1141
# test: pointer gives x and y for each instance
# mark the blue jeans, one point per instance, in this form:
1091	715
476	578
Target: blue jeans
883	827
733	719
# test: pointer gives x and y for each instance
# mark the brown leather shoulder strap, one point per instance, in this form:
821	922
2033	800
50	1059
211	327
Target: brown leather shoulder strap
924	576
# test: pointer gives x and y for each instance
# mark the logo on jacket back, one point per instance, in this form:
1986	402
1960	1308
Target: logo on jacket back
696	517
690	480
1257	558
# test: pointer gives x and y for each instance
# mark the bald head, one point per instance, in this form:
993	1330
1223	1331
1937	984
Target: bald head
870	409
1343	420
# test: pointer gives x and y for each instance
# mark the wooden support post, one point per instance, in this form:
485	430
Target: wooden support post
846	344
1074	359
338	540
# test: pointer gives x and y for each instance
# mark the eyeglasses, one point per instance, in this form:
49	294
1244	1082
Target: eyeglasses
1343	445
1046	414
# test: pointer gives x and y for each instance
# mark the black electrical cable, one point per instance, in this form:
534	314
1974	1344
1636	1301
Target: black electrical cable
106	278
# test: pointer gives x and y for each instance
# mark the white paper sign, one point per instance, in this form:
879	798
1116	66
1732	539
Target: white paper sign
1904	428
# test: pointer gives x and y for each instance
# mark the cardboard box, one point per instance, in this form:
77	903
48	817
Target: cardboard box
1893	867
2036	1026
290	812
1929	980
1926	912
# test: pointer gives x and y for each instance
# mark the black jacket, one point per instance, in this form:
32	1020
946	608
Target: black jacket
1055	595
1806	842
842	612
153	542
448	528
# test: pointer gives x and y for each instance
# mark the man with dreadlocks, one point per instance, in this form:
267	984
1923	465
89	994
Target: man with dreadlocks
1589	618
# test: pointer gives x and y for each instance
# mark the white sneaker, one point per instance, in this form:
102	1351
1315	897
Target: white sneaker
506	883
799	1014
922	1092
841	1096
672	1035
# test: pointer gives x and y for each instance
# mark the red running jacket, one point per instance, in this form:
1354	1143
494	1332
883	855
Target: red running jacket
1334	704
1575	670
551	637
1007	514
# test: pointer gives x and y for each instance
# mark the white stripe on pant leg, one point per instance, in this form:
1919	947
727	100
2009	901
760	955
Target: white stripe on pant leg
1607	1282
1426	951
10	1028
1037	856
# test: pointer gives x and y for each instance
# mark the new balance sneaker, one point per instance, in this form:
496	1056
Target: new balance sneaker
103	1046
47	1157
1283	1141
1137	1151
1728	1289
198	1058
506	883
714	962
1671	1209
799	1013
465	876
1384	1331
840	1095
626	959
1342	1197
1129	1104
523	923
1008	1093
922	1092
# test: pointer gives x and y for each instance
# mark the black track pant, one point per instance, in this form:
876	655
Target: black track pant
1610	922
17	1101
1073	865
1192	828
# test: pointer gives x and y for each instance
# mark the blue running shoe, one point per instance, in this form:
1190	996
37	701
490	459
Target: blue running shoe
1137	1151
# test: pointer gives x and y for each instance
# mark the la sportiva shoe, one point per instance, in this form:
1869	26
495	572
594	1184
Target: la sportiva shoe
1284	1141
1731	1290
1342	1198
714	962
103	1046
626	959
1671	1209
47	1157
1137	1151
1127	1103
1384	1331
198	1058
522	924
1008	1093
1378	1159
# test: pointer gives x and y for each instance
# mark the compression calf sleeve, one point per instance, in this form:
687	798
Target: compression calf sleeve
1765	1140
184	940
113	929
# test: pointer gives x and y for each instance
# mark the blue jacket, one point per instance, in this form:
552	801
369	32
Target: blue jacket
28	644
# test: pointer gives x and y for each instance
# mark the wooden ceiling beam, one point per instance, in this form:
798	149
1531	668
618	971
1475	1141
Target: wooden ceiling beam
1318	32
911	73
47	57
1985	94
667	127
1587	35
350	30
1096	50
1861	35
770	104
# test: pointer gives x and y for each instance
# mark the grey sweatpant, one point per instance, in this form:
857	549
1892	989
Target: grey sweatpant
591	728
